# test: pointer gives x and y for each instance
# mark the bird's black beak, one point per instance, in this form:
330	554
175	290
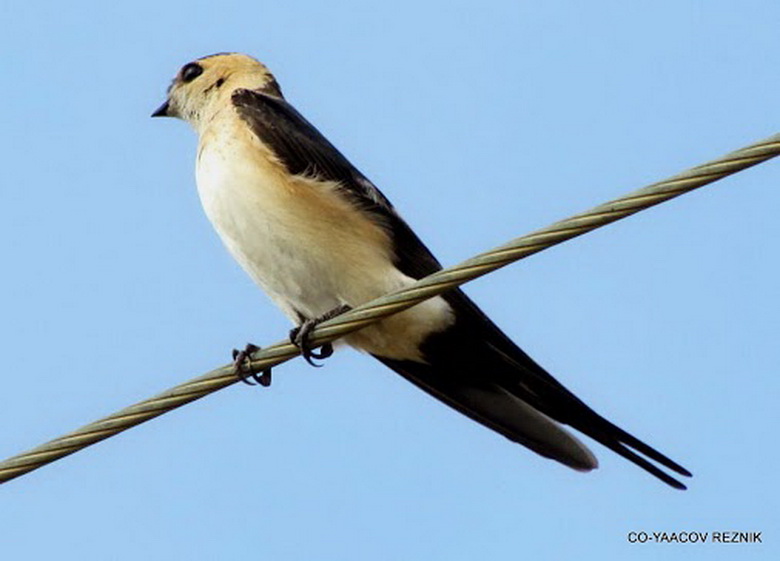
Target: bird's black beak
162	111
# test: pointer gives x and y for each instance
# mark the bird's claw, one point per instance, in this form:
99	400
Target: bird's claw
247	376
301	336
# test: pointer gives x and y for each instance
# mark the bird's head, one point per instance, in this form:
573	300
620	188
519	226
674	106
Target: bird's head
201	87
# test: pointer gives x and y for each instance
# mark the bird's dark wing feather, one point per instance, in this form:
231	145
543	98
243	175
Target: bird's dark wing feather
475	352
472	366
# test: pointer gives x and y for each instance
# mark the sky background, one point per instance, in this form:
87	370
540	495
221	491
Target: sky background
481	122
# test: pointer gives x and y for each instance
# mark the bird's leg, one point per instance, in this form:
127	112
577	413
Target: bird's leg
300	336
248	377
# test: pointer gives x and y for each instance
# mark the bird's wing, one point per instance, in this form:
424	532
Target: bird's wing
305	151
472	366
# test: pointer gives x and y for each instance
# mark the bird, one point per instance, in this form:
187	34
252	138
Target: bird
319	238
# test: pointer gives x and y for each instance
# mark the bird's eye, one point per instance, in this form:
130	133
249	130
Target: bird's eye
191	71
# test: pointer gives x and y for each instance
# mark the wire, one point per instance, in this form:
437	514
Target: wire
395	302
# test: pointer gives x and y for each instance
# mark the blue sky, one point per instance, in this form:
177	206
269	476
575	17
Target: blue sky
481	123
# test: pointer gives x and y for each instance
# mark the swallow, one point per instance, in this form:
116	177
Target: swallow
319	237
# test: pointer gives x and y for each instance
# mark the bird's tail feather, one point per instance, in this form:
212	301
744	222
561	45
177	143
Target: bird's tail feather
530	411
558	402
496	408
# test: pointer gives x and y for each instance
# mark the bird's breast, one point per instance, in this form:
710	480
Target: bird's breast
305	244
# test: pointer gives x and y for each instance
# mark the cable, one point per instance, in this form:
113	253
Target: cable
379	308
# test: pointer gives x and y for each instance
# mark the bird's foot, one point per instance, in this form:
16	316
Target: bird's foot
301	335
244	374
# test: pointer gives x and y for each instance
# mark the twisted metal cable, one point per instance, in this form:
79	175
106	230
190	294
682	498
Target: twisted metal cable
393	303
